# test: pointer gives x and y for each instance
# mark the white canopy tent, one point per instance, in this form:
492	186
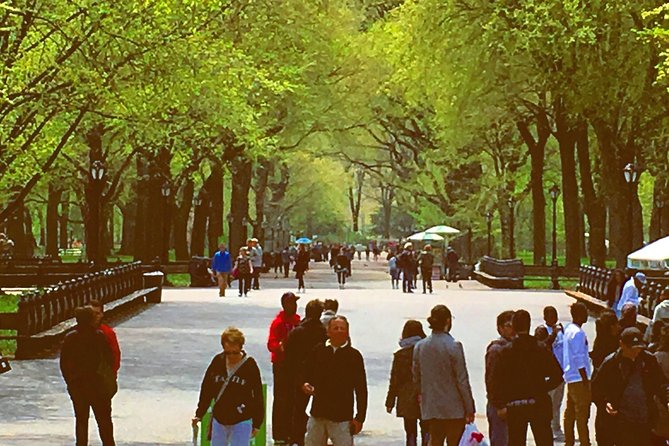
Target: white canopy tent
653	256
425	237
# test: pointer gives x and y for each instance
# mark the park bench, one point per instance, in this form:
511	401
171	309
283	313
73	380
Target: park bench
71	252
496	273
45	316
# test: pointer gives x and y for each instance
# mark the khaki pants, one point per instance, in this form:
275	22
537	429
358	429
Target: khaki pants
320	429
222	283
557	395
577	412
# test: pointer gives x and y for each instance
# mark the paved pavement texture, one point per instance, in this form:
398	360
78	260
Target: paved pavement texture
167	347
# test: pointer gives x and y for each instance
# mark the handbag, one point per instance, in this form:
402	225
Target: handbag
4	365
220	394
235	272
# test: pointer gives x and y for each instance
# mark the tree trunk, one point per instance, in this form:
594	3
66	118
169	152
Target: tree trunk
387	197
64	221
241	169
180	230
31	243
260	188
129	213
214	186
142	213
199	230
54	198
594	206
658	219
354	197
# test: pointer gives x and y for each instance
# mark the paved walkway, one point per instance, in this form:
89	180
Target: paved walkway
167	347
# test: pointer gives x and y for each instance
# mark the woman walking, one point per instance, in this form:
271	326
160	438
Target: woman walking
232	381
394	271
402	391
342	267
301	266
244	270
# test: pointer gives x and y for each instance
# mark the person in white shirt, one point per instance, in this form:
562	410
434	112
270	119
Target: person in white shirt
630	293
577	372
661	313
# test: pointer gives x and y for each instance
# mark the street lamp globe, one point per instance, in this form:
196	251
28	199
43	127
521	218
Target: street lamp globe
554	191
511	203
165	189
631	173
659	203
97	170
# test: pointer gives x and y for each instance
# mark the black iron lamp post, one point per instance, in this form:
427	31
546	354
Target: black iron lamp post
631	173
166	190
488	217
554	192
659	204
97	171
512	249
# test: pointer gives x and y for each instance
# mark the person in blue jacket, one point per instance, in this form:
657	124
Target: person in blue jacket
221	266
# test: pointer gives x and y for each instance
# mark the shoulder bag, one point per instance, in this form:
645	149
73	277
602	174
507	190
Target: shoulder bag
220	393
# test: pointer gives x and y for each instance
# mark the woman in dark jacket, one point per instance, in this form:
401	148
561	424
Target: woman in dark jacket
402	392
301	265
615	288
342	267
244	269
606	343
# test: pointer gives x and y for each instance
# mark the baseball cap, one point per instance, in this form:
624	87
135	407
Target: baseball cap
641	277
254	239
632	337
408	245
287	296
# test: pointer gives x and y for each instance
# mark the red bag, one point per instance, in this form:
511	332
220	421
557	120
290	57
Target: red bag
235	272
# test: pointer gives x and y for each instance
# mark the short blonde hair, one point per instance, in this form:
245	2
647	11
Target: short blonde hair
232	335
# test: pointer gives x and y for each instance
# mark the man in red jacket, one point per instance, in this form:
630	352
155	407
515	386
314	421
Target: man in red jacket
109	333
285	321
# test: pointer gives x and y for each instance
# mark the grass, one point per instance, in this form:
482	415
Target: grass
528	259
545	283
180	280
8	304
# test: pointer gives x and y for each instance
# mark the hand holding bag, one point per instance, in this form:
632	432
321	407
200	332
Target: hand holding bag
472	436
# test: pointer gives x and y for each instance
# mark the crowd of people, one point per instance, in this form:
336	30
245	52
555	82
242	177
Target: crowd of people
408	264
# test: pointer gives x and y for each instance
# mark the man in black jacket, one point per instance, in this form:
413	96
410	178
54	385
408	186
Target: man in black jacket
627	384
334	373
84	355
300	343
526	371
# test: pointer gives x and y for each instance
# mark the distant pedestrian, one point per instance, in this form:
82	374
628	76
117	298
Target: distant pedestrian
335	377
606	342
342	268
497	428
614	288
407	263
285	261
282	408
301	266
440	371
330	308
402	390
453	261
277	263
86	363
232	382
627	384
244	271
256	255
110	334
426	260
376	252
554	341
299	345
367	251
525	373
221	266
577	375
630	293
394	272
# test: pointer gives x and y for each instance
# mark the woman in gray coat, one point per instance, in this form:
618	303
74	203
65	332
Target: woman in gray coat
402	392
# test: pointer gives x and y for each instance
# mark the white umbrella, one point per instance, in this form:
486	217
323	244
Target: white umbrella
653	256
442	229
425	237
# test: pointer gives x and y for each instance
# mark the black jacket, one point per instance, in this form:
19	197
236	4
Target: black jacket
402	390
241	400
300	342
525	370
609	381
84	348
336	377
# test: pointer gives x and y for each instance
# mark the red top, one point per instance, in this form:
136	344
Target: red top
278	333
113	344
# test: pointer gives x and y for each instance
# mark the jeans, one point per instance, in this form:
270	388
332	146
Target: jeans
537	416
557	395
411	430
320	429
244	283
283	402
577	412
83	402
497	428
446	430
235	435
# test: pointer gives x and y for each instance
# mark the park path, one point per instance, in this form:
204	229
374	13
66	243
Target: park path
167	347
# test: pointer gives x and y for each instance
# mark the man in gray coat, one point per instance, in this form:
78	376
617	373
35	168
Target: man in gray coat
439	369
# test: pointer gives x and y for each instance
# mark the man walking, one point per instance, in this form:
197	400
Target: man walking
426	260
285	321
577	374
497	428
300	343
525	373
285	261
627	385
407	263
256	261
334	375
86	365
554	342
440	372
630	292
453	261
221	266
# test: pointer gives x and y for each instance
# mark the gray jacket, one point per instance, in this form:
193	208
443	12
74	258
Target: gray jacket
440	373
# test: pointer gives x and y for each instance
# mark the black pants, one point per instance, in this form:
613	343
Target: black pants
411	430
407	280
631	434
83	402
256	278
300	417
341	276
448	430
286	269
427	280
282	408
538	416
453	272
244	283
300	279
604	427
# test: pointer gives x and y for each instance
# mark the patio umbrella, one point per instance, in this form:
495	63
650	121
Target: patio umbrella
303	241
442	229
425	237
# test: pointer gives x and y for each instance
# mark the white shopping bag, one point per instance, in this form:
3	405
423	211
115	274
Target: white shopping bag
472	436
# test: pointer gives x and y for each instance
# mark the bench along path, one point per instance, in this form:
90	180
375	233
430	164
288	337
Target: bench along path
167	347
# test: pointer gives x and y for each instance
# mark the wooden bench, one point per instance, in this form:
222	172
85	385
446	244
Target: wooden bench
495	273
596	306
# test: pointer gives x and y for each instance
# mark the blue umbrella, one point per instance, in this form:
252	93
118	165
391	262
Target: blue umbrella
303	241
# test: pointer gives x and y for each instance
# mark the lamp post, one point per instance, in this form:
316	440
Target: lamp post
631	174
512	249
659	204
97	172
166	190
488	217
554	193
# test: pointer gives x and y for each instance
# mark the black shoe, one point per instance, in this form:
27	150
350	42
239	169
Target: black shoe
240	294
